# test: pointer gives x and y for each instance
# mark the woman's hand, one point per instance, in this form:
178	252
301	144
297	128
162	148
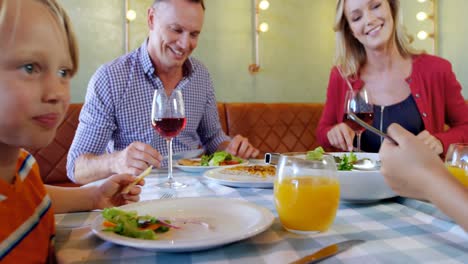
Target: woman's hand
341	136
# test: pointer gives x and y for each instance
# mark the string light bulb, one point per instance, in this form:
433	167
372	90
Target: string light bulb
264	5
427	18
263	27
421	16
422	35
257	29
131	15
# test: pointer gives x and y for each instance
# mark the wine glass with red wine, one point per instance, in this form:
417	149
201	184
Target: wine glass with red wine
168	119
357	102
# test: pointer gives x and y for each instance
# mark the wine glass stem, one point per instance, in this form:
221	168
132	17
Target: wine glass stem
358	139
169	165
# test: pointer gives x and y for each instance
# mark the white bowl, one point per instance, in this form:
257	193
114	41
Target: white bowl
359	186
363	186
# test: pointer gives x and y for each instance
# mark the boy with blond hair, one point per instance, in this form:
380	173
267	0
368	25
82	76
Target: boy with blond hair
38	57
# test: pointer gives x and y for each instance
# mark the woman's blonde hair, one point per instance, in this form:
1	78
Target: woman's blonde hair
350	54
63	20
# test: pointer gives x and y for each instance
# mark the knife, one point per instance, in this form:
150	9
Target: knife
328	251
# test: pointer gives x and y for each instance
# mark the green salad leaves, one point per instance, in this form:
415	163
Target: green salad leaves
315	154
220	158
343	163
129	224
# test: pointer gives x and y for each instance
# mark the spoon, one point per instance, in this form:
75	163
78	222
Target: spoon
366	164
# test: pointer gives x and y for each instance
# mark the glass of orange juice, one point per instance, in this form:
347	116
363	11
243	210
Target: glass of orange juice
306	193
456	161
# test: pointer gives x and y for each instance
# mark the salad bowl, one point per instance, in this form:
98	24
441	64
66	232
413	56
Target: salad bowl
363	186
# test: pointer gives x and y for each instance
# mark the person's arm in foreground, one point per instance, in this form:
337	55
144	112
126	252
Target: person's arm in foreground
413	170
97	195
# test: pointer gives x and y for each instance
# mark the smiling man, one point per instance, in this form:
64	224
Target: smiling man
115	134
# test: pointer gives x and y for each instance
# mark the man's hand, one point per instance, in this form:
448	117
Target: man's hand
240	147
432	142
136	158
341	136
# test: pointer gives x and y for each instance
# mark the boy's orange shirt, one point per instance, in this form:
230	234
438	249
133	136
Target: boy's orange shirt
26	216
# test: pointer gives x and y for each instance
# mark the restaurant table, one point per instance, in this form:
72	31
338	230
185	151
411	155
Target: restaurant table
395	230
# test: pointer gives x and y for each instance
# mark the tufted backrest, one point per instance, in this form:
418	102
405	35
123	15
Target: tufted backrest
275	127
222	116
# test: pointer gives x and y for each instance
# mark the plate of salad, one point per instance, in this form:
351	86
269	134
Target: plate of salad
206	162
357	185
182	224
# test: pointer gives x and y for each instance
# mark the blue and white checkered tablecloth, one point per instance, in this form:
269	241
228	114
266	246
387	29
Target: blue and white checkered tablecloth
395	231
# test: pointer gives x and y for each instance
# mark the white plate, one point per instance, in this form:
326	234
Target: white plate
187	154
362	186
230	221
238	180
203	168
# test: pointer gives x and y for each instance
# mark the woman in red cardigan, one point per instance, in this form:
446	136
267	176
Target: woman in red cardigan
418	91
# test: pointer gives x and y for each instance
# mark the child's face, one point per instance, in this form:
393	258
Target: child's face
34	74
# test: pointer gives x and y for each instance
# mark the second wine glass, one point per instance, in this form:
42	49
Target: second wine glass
168	119
357	102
